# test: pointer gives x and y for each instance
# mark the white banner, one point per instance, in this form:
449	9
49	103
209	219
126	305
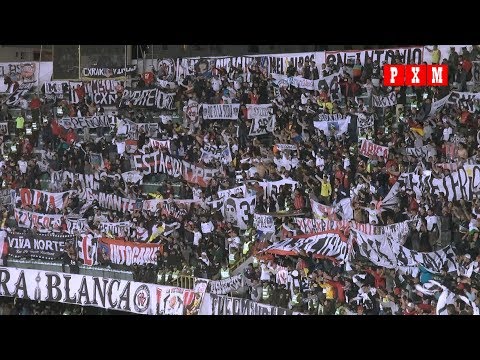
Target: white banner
225	286
82	290
115	229
43	222
214	152
220	111
384	101
255	111
262	126
54	89
283	147
332	127
237	210
160	144
264	223
425	151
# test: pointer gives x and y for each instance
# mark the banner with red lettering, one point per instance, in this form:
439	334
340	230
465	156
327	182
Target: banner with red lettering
122	252
34	198
370	149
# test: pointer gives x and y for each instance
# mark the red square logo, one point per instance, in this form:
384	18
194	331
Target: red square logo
415	75
437	75
393	75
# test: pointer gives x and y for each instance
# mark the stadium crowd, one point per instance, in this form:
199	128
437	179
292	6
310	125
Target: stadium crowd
204	240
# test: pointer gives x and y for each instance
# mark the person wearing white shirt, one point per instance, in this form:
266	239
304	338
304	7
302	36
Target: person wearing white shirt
22	164
447	132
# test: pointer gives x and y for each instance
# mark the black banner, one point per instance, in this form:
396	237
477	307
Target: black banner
37	246
112	72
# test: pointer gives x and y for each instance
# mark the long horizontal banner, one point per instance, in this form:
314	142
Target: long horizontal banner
111	294
44	199
36	246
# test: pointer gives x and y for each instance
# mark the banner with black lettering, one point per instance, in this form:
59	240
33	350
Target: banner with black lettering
114	202
90	122
226	305
115	228
408	55
88	182
330	245
286	147
74	86
476	72
365	124
102	92
4	128
238	211
424	152
383	101
214	152
296	81
255	111
262	126
30	197
223	194
464	100
5	196
220	111
77	225
398	231
55	89
134	177
52	286
132	129
42	222
371	150
37	246
264	223
105	73
274	187
463	184
225	286
122	252
330	128
155	204
153	98
160	163
279	62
